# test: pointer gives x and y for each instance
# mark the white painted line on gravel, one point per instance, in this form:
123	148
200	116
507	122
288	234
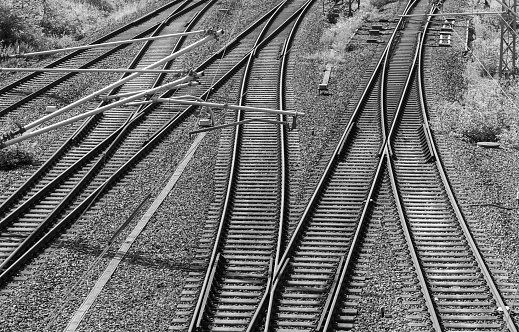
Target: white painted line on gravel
112	266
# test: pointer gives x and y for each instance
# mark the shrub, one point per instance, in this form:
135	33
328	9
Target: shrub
21	154
487	111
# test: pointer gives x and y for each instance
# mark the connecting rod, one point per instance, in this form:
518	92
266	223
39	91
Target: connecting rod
184	100
171	85
120	42
210	36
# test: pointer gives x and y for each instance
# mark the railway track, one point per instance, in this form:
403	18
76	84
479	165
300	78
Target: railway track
229	299
452	290
251	224
312	271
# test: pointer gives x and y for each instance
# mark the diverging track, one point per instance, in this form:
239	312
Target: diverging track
247	231
458	288
254	282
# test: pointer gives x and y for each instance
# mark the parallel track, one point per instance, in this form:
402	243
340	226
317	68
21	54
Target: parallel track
254	277
70	180
307	285
125	143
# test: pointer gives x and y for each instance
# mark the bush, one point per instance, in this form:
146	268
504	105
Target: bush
488	110
487	113
15	156
55	22
14	29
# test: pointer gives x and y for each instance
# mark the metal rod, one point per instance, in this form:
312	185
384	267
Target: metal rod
85	47
237	123
453	14
232	107
92	112
122	81
94	70
132	93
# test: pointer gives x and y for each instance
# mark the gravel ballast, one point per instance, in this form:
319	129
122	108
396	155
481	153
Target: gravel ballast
145	289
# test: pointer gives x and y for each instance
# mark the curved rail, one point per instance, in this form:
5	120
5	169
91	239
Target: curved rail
458	290
339	153
253	146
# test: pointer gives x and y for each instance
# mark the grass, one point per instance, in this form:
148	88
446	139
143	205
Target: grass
337	37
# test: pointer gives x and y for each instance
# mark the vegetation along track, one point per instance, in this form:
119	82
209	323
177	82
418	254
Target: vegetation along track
19	97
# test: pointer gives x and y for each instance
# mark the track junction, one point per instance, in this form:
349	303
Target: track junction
256	268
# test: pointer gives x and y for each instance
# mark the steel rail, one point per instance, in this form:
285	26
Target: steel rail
151	142
418	268
200	307
284	176
457	210
383	89
336	154
345	264
324	323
